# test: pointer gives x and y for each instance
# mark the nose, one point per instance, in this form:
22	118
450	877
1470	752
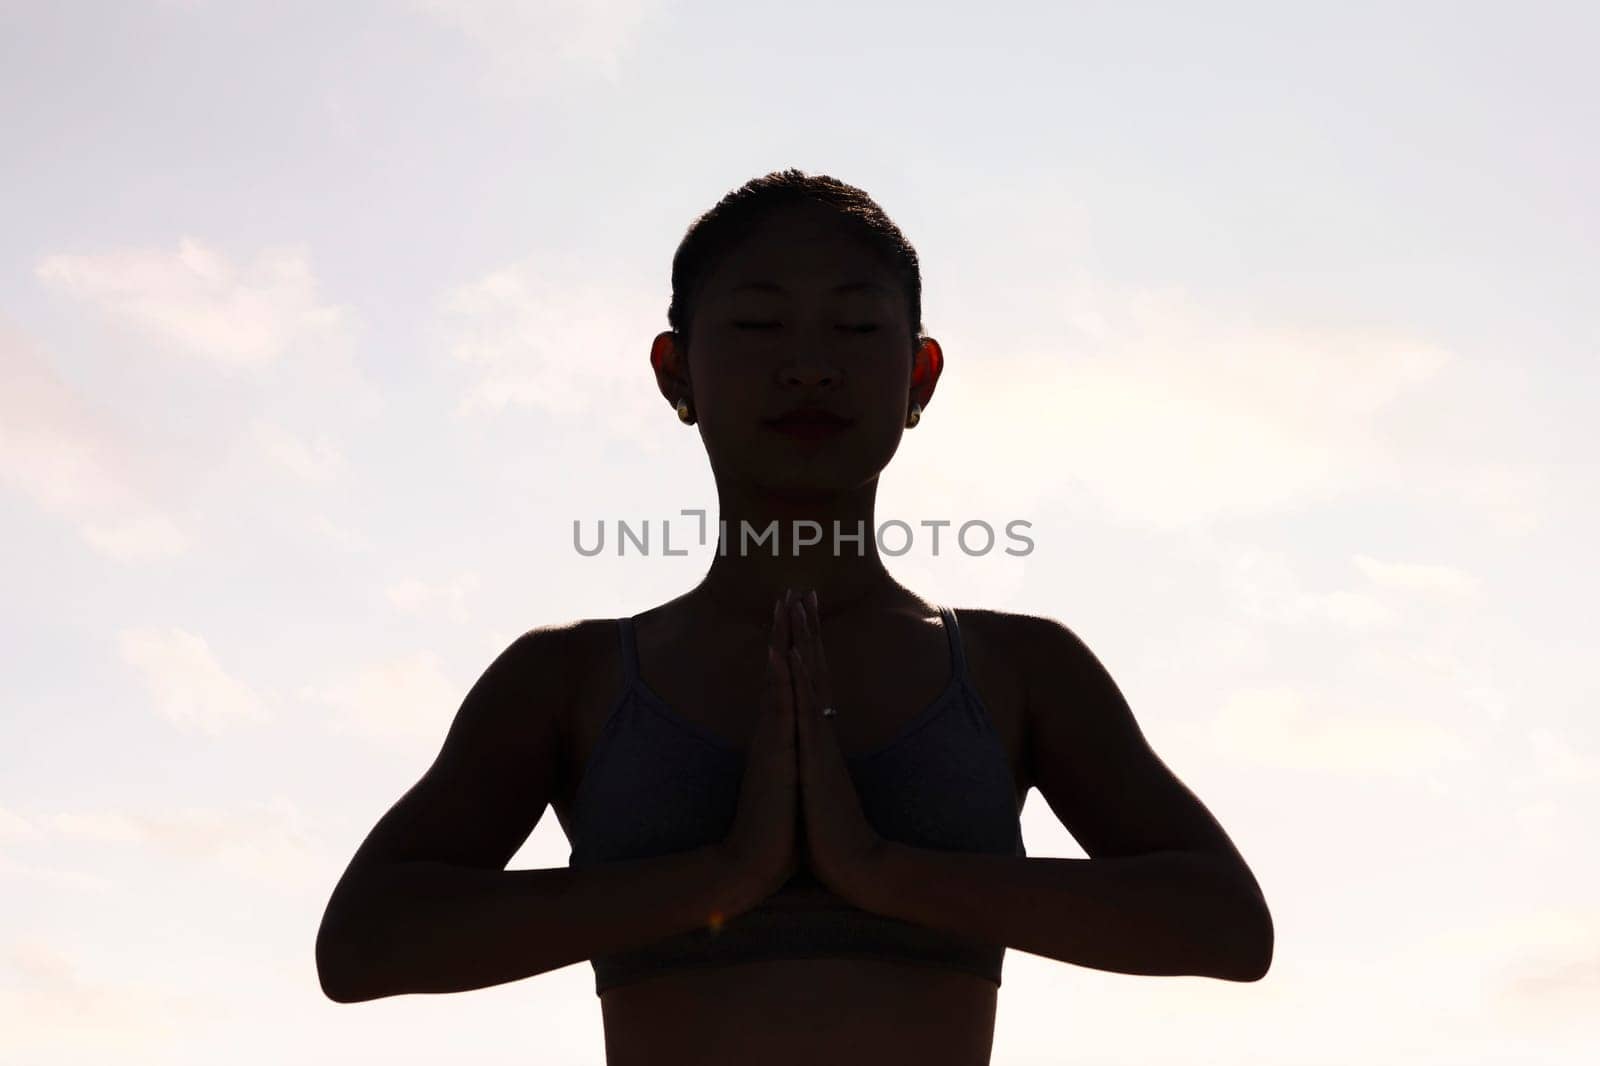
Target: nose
811	373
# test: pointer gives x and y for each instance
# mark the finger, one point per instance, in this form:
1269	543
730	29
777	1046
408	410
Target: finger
814	623
785	624
781	681
803	714
823	681
816	660
782	630
814	631
804	696
782	626
800	627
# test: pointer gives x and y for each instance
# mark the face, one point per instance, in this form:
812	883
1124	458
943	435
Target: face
802	314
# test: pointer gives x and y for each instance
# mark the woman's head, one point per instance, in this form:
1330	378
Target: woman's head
737	215
796	291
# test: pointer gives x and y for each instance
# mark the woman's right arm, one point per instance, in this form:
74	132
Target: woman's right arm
427	904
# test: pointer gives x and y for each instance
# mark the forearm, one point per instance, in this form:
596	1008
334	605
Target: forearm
433	927
1164	913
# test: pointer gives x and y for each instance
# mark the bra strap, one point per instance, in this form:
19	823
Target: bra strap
958	657
630	652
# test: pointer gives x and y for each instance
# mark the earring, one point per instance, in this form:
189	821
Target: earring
915	416
683	412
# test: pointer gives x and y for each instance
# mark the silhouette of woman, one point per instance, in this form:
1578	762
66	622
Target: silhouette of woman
795	832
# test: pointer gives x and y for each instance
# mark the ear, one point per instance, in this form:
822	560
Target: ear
926	366
671	364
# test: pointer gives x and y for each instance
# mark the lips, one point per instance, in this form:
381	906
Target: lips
808	416
809	424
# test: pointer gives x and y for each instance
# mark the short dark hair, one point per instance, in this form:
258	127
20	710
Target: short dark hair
717	232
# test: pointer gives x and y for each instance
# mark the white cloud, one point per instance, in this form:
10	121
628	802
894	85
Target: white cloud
1421	577
318	460
541	337
1509	497
268	842
528	45
1353	610
415	596
148	536
1558	760
200	301
66	880
14	826
408	700
1560	983
342	537
1166	412
52	1006
1536	967
1288	727
186	683
76	460
1170	413
1266	586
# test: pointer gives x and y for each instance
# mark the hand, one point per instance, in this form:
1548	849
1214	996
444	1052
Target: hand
842	846
764	841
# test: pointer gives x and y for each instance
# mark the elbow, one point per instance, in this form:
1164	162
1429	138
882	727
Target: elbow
339	970
333	972
1247	936
1248	967
1250	956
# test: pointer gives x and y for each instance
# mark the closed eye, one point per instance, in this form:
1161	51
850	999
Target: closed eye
867	327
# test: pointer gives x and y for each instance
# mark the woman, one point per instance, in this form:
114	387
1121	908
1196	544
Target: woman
793	792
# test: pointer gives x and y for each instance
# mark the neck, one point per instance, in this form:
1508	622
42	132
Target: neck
763	551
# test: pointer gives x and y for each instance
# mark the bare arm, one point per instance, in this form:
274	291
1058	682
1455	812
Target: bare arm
427	904
1164	891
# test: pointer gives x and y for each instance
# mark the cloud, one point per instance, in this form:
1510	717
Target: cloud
1266	586
58	879
267	842
327	531
317	460
186	683
149	536
1418	577
1534	967
14	826
199	301
52	1005
1563	981
415	596
528	46
407	700
1558	760
76	460
1168	412
539	335
1290	728
1162	410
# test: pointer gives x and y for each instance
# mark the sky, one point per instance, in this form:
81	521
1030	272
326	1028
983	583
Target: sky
320	325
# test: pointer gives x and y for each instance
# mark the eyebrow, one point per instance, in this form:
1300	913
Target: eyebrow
849	286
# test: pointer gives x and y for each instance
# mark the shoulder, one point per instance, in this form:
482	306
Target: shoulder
561	660
1039	655
1027	642
564	644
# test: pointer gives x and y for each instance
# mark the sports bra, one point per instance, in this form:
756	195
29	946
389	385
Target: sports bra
656	783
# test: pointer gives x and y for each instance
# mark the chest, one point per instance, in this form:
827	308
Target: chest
906	710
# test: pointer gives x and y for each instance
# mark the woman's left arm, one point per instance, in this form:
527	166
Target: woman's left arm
1164	890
